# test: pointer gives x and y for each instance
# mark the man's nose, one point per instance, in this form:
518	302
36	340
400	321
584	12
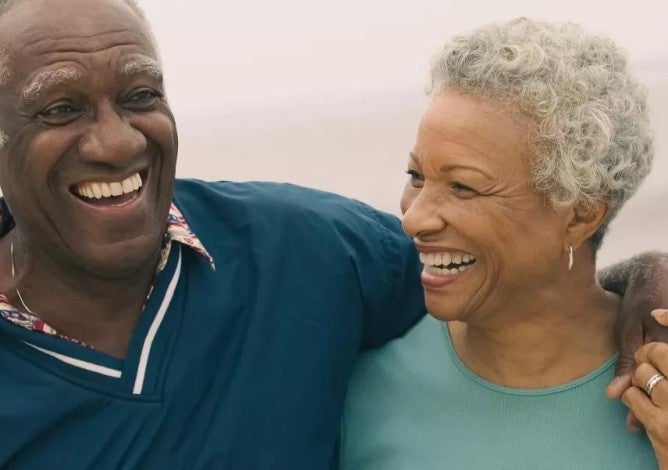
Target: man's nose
111	139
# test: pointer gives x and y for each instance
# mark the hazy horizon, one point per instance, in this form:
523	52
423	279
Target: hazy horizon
329	95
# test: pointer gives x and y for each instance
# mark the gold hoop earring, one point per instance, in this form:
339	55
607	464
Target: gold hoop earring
570	257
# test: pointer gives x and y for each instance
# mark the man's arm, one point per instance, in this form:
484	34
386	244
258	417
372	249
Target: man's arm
396	304
638	269
643	283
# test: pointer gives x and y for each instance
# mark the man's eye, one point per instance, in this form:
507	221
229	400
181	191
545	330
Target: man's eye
417	180
58	110
144	98
60	113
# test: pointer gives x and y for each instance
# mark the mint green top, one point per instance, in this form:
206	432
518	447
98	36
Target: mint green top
413	405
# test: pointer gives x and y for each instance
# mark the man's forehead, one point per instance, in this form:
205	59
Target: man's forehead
36	27
72	32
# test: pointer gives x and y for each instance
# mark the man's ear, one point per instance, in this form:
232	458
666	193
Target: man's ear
584	222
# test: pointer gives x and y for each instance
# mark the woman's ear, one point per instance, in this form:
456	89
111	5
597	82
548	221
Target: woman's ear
584	223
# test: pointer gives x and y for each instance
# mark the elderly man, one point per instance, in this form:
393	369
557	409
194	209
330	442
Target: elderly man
122	344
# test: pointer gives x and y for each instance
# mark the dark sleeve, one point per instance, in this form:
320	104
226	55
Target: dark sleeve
360	254
388	272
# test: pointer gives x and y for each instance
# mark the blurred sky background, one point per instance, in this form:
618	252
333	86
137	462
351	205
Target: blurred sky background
328	94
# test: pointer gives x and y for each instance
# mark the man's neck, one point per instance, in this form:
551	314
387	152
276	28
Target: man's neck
99	312
552	338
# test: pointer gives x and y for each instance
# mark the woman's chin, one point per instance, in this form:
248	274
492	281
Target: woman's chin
443	313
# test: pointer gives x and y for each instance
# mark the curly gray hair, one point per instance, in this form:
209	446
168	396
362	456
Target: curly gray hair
6	5
591	136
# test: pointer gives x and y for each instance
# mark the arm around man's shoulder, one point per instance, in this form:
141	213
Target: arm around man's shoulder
385	262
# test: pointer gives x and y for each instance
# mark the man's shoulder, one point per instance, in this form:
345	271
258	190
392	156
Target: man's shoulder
257	192
277	202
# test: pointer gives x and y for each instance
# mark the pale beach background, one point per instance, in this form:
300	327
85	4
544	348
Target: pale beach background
328	94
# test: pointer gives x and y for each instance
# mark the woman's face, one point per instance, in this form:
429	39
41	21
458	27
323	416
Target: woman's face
488	239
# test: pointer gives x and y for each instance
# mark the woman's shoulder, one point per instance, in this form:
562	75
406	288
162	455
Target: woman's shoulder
404	367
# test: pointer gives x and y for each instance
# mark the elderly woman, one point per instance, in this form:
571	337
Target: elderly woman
535	137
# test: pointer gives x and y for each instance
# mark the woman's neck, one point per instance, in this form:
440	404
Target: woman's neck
551	339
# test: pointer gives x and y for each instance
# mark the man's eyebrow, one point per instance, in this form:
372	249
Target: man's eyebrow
143	66
44	81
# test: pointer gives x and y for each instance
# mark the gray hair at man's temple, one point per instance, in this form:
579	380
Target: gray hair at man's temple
5	72
591	134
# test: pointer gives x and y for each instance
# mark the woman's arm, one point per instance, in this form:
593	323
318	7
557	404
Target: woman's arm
648	397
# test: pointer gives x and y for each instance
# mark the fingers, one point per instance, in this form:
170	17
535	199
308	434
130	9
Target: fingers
656	336
618	385
661	316
640	404
655	329
659	395
655	354
633	424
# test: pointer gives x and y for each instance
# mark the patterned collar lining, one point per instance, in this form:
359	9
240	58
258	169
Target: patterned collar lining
177	231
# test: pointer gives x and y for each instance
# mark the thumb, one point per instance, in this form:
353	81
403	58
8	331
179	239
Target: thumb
661	316
618	385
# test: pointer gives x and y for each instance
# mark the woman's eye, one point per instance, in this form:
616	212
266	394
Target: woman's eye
463	191
417	180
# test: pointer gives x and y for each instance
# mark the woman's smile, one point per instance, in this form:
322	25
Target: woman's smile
444	267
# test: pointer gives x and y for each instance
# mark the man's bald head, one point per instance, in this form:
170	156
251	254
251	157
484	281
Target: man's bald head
7	4
5	56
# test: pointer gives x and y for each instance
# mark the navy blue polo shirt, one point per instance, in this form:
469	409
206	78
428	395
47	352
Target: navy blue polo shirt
244	367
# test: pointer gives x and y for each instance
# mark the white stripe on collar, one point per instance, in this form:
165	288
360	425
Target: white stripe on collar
79	363
153	330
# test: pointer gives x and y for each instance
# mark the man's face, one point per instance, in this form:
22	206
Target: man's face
87	121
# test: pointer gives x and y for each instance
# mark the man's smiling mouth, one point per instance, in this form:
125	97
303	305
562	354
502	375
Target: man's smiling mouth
101	193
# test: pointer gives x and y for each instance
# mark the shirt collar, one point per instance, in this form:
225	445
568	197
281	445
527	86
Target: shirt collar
177	230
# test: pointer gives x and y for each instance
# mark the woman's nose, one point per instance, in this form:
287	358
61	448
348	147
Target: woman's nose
423	215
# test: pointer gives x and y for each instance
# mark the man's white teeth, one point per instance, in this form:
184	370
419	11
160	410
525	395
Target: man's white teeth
116	189
446	263
94	190
127	186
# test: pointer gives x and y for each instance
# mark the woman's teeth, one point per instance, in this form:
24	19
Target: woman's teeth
94	190
440	264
